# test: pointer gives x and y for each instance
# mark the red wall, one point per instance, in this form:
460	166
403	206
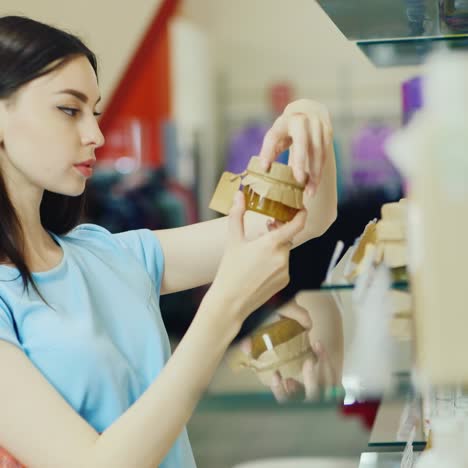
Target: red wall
142	95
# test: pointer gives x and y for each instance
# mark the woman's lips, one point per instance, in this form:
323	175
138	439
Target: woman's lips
84	169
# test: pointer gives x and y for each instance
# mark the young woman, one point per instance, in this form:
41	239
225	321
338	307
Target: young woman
86	373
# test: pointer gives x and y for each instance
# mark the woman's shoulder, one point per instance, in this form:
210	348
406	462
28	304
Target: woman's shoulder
89	234
88	229
141	243
92	235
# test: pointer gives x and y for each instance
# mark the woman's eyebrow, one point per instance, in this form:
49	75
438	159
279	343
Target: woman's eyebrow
78	94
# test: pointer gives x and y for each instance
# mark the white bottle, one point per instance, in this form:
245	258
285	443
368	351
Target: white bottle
433	152
447	450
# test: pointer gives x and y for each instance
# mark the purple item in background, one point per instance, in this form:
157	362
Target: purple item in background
243	145
370	165
412	98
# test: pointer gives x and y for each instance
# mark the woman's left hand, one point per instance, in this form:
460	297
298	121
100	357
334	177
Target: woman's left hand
305	128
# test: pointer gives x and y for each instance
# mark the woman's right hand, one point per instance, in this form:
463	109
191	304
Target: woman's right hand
252	271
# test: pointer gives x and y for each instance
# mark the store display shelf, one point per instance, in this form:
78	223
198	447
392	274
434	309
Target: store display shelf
395	421
397	394
399	285
382	460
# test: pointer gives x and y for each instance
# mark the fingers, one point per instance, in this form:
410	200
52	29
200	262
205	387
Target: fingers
286	130
294	311
316	159
311	383
285	234
286	389
305	126
298	130
294	389
320	378
278	389
326	372
273	224
236	218
276	141
246	346
307	151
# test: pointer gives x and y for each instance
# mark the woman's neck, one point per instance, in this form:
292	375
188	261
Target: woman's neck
39	249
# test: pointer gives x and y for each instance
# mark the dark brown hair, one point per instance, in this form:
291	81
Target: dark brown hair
30	49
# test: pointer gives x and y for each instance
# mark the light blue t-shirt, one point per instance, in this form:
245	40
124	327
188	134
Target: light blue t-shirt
103	342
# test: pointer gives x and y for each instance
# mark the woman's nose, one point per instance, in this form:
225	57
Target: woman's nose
93	135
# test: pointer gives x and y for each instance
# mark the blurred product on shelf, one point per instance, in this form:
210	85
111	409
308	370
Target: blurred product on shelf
447	447
431	153
383	241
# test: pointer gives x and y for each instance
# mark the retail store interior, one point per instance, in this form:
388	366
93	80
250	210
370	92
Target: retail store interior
189	91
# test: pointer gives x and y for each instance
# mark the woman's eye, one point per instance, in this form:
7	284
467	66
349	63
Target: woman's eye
97	114
69	111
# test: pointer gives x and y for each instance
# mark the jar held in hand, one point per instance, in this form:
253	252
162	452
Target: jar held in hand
274	193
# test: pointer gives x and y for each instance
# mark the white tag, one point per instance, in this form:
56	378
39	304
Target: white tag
408	457
334	260
267	341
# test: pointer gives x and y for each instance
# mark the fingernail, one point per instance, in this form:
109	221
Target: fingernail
318	347
310	191
264	163
300	177
246	346
290	386
309	365
270	224
275	380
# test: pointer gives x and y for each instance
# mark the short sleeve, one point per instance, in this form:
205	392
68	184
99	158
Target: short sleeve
7	328
147	249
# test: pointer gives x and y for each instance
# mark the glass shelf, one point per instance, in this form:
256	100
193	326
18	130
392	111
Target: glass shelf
399	285
395	33
399	392
395	420
409	51
338	277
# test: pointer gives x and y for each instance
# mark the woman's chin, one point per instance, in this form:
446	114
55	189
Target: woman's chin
71	190
78	192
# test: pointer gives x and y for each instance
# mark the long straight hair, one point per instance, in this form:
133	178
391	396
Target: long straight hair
28	50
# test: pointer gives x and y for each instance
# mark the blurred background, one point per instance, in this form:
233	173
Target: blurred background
191	86
189	89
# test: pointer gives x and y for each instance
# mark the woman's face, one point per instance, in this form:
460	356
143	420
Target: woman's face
49	127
